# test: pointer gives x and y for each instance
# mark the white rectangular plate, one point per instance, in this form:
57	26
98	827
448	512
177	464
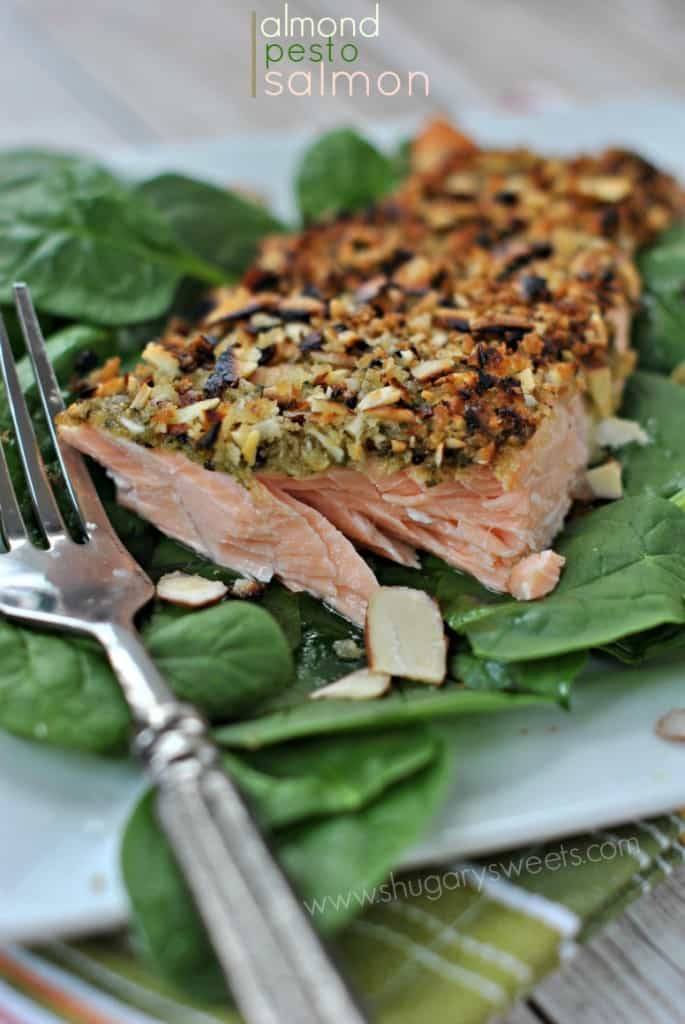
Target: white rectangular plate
520	777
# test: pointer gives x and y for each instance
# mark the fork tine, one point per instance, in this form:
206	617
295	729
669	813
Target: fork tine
47	512
13	528
81	490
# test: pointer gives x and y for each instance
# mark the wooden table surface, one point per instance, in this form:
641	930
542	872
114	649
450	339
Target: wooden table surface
88	73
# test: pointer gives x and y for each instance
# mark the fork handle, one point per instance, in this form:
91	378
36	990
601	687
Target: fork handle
275	964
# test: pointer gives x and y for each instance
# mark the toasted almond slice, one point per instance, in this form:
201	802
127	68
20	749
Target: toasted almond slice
609	188
381	396
191	412
405	635
190	591
671	726
431	368
364	684
605	481
599	383
158	357
615	432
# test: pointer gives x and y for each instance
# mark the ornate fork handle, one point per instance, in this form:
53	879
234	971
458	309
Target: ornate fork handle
278	970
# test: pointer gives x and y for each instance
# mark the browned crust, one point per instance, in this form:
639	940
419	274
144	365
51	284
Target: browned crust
435	329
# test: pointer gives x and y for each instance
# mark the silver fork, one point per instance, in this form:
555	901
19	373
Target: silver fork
273	961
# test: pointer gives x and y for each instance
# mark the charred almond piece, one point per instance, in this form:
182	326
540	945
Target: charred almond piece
405	635
190	591
671	726
364	684
605	481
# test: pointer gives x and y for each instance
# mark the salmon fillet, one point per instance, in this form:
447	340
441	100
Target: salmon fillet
256	531
420	376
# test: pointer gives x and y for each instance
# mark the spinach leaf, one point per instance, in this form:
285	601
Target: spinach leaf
658	405
27	163
167	929
659	332
335	863
341	172
662	264
653	643
285	608
170	556
222	659
408	703
548	677
59	690
329	775
90	248
625	573
338	863
317	661
215	224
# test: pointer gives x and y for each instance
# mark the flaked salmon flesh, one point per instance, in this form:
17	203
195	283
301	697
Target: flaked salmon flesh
420	377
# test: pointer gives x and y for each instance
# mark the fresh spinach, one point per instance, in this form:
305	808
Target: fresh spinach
28	163
89	247
222	659
407	704
335	862
548	677
659	332
170	556
658	405
328	775
342	172
59	690
216	225
338	863
625	573
285	608
167	930
653	643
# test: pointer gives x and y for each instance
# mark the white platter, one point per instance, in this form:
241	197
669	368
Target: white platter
520	777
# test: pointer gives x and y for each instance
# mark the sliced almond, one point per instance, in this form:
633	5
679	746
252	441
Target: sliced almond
609	188
599	383
431	368
605	481
381	396
405	635
364	684
190	591
671	726
141	396
158	357
194	411
614	432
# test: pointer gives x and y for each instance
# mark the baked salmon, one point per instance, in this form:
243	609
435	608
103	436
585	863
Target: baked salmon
422	376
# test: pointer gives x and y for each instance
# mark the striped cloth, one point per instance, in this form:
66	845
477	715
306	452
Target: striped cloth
457	943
